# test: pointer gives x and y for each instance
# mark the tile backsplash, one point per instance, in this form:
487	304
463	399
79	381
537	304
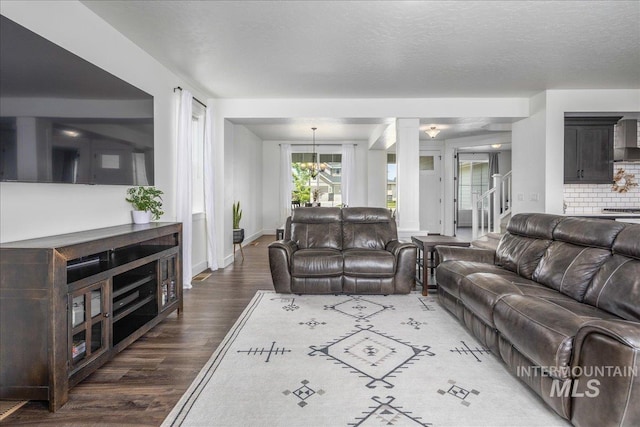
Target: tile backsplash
592	198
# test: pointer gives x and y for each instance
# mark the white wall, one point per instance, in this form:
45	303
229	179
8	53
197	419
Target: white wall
247	180
528	158
33	210
270	186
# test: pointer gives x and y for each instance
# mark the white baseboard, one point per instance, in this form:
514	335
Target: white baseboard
248	239
198	268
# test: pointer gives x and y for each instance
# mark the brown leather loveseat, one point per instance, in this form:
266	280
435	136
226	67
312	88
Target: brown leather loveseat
559	302
350	250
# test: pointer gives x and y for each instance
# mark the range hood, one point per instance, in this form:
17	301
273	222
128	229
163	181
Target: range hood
625	148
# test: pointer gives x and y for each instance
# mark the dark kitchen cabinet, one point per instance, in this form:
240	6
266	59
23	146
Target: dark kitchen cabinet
588	150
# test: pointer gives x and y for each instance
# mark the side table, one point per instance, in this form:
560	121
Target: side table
426	245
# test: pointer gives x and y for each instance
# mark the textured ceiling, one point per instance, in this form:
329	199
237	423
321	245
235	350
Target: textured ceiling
386	49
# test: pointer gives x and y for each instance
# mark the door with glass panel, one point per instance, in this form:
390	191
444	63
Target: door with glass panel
430	192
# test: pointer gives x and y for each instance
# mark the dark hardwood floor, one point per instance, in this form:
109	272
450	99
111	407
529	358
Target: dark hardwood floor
143	383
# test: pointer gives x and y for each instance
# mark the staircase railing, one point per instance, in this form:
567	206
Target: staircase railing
490	208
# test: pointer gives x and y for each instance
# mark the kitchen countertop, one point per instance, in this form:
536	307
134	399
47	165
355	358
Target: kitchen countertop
606	214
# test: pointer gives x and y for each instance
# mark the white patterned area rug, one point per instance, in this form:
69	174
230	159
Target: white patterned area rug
340	360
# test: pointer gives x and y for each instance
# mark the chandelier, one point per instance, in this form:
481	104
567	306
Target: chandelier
314	166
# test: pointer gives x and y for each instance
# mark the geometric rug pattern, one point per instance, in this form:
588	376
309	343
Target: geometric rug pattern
353	360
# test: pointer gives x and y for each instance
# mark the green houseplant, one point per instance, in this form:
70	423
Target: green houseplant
238	233
146	202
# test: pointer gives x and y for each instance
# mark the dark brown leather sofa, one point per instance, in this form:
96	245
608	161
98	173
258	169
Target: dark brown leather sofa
350	250
559	302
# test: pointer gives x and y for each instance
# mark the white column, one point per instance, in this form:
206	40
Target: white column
497	201
377	181
408	175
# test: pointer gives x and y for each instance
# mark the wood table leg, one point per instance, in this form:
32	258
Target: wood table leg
425	272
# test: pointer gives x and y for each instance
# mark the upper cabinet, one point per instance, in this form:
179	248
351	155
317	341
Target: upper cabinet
588	149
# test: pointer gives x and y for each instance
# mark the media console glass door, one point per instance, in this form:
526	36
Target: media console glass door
88	330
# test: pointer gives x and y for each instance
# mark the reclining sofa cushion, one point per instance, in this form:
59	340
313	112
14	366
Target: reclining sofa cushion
543	330
616	286
528	237
367	228
569	268
316	262
588	232
317	228
369	263
450	274
480	292
581	246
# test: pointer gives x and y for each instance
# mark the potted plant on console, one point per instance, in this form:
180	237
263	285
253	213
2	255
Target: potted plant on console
147	204
238	233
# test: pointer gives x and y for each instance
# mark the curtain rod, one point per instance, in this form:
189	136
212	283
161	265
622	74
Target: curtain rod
348	143
194	98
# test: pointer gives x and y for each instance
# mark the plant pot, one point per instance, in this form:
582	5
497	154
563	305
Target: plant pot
141	217
238	235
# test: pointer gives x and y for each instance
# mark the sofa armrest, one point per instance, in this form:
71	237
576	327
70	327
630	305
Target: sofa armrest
458	253
625	332
395	246
606	372
405	254
289	246
280	253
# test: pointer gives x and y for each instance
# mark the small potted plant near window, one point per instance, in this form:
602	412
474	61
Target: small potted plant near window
238	233
147	204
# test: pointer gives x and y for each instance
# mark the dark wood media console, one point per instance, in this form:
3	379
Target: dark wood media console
69	303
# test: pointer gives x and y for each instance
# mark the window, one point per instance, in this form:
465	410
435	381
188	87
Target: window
473	177
197	157
427	163
392	189
325	188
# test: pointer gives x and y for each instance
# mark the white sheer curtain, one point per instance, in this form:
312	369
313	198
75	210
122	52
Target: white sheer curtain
348	173
209	191
184	206
285	182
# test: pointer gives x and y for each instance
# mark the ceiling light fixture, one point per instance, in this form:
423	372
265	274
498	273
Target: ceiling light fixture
315	167
432	132
496	145
71	133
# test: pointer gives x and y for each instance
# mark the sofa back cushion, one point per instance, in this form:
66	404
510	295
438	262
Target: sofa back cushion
581	246
569	268
616	285
597	233
317	228
528	237
367	228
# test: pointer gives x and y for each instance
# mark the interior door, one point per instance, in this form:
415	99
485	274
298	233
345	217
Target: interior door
431	191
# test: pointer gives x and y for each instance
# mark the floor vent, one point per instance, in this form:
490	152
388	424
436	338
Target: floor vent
8	407
201	276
